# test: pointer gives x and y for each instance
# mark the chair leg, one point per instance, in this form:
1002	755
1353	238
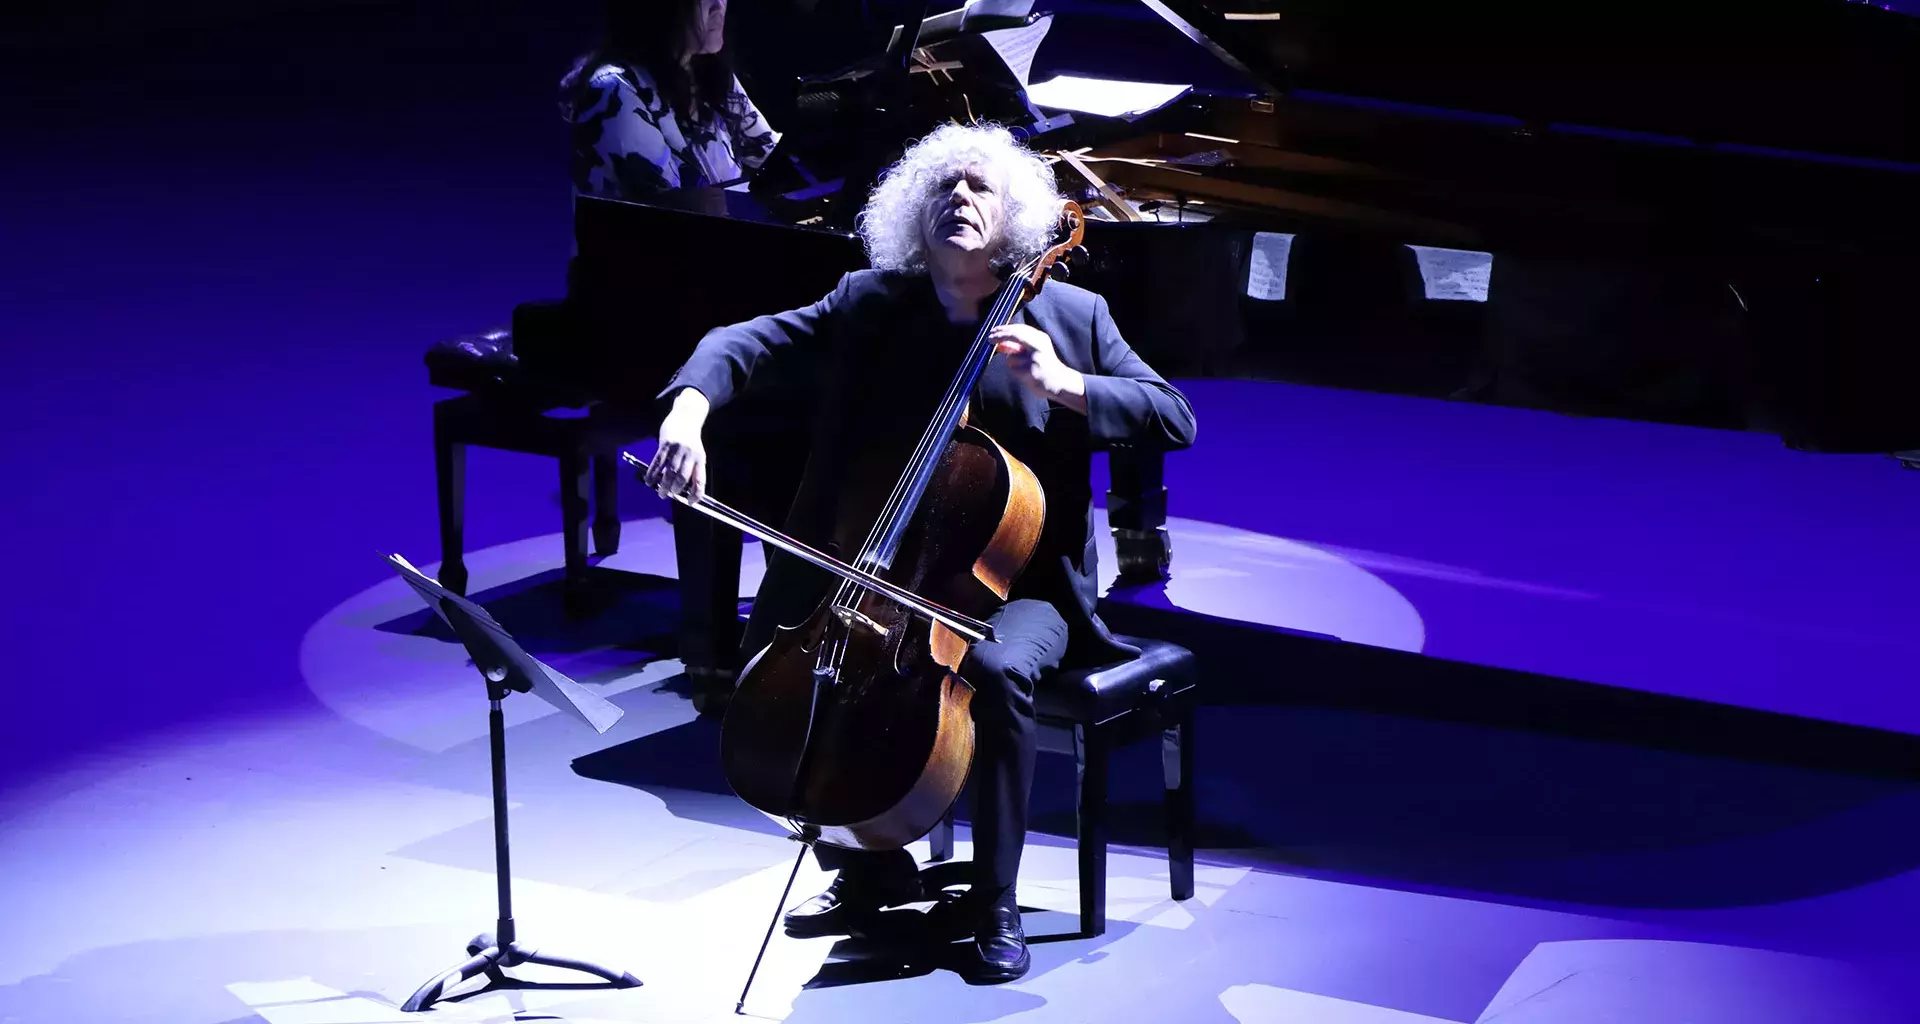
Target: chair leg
1176	767
1090	759
941	838
450	478
573	516
606	505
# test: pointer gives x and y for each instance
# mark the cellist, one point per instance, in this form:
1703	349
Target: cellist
942	229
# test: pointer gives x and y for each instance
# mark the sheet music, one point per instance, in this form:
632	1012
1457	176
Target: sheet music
401	561
1105	97
495	651
1460	275
1016	46
427	587
600	713
1267	268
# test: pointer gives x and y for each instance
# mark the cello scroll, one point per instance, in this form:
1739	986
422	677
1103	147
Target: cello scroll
1056	259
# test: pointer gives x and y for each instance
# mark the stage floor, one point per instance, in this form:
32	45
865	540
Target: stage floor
313	868
1695	563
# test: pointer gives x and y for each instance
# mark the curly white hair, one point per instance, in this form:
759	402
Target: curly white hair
890	226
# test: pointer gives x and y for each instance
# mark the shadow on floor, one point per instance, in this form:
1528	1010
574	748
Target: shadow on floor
613	609
1531	815
1412	776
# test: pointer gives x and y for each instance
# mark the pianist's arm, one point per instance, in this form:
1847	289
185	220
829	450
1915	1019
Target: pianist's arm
753	138
619	151
1128	403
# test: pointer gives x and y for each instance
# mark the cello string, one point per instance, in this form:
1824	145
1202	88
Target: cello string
929	441
885	532
849	594
831	655
932	442
926	447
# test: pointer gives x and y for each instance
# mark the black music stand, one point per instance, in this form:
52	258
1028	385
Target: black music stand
507	668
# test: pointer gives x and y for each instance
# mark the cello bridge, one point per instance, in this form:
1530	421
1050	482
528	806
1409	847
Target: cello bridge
855	619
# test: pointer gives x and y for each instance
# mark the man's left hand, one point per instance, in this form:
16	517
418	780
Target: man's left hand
1038	368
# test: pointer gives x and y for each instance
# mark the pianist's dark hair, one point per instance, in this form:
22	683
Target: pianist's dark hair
643	35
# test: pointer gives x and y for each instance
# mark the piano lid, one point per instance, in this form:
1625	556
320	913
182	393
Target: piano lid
1824	76
850	124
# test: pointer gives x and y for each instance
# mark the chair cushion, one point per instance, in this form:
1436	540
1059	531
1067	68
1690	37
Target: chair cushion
1099	694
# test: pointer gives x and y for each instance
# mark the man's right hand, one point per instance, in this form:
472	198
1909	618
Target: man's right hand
680	465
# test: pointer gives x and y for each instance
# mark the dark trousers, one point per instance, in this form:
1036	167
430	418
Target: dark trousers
755	472
1030	639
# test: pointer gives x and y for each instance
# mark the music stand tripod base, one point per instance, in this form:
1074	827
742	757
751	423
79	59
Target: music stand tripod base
490	958
491	953
506	668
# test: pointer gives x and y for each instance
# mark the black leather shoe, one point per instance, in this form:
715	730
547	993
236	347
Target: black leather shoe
840	909
1000	941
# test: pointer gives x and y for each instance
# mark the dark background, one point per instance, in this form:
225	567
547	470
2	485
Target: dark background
230	232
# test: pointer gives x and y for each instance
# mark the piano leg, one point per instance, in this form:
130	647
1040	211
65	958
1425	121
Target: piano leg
450	476
1137	514
606	505
573	514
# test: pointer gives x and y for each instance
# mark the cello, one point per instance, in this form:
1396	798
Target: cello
854	727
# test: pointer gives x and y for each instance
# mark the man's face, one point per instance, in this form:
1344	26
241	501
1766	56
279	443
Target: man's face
964	216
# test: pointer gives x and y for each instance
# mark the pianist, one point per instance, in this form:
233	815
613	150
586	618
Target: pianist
654	109
655	106
940	230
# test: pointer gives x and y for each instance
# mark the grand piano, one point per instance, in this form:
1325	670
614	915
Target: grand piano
1695	213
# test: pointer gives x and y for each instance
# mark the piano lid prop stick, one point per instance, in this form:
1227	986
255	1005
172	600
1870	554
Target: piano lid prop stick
1108	197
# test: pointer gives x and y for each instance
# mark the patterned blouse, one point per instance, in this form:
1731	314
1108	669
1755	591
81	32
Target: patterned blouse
629	144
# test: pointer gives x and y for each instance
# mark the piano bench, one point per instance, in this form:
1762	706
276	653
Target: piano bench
474	362
1088	713
526	420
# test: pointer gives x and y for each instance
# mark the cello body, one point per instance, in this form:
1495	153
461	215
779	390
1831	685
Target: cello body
873	757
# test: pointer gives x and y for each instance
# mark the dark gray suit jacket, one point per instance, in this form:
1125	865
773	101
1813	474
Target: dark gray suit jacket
878	354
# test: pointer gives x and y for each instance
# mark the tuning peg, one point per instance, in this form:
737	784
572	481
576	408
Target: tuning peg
1078	252
1062	270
